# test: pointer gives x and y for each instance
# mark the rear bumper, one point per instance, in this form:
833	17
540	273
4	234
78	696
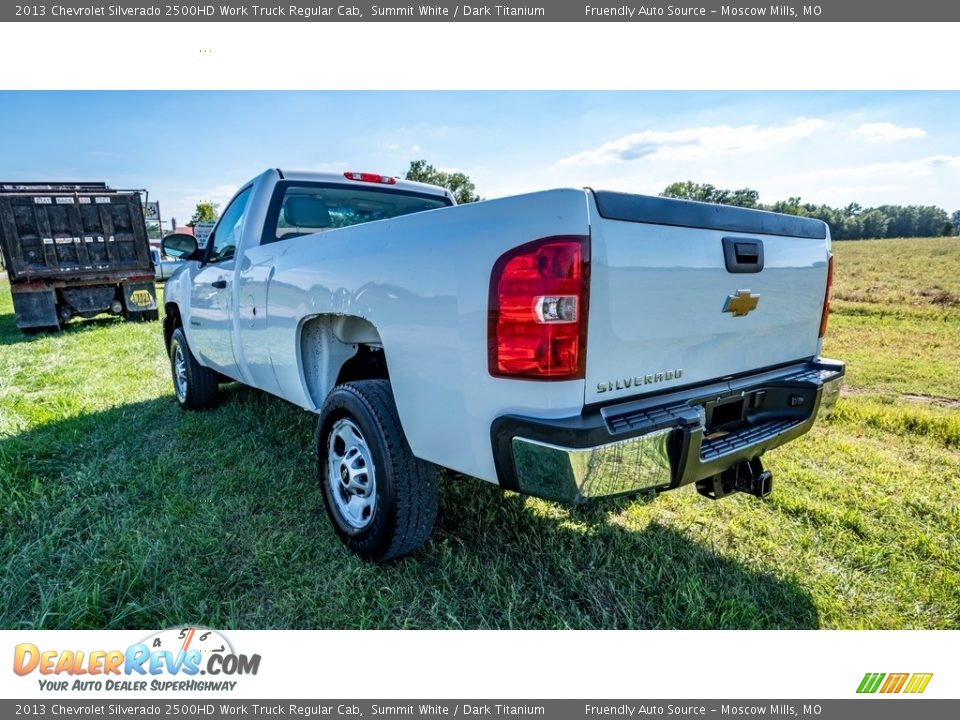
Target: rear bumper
665	441
46	305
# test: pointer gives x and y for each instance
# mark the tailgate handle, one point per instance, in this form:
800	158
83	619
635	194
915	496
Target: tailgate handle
743	255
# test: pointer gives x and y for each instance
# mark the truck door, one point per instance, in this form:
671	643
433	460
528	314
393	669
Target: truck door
212	292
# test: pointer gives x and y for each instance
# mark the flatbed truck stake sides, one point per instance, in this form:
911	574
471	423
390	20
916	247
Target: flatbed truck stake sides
568	344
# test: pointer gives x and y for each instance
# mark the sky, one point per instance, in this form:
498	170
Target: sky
872	148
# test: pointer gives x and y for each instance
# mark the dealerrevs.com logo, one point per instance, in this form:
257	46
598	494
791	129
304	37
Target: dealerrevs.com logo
890	683
170	660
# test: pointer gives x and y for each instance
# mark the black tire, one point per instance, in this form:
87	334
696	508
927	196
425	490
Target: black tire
197	389
404	501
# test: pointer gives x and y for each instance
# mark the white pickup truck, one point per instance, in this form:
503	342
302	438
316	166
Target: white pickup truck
568	344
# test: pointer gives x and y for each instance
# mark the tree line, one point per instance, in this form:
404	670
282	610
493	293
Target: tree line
853	222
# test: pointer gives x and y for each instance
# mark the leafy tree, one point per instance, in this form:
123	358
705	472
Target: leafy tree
874	223
931	221
206	212
788	207
689	190
705	192
853	222
745	197
463	189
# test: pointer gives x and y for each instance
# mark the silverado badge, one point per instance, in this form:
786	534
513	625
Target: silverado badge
639	380
741	303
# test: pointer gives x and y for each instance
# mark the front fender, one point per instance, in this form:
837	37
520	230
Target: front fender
176	300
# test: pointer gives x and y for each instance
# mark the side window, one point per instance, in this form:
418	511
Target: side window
227	233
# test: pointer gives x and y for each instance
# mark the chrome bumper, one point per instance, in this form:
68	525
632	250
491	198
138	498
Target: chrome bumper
612	469
669	444
829	396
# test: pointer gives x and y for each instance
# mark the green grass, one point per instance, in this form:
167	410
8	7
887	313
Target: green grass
921	272
119	510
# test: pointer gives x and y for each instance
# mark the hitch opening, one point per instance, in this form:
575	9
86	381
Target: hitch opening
747	476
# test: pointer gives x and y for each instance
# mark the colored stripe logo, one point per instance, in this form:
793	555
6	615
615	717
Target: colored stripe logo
913	683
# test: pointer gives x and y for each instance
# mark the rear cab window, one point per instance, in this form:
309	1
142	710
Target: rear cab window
304	208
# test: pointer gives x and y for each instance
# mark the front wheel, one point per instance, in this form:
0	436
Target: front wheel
381	499
194	385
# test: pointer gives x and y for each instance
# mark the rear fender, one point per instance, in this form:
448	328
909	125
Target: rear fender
327	343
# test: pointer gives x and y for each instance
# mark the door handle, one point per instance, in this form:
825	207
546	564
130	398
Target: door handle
743	255
219	284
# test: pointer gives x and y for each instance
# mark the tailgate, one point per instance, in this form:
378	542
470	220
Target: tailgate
669	306
48	235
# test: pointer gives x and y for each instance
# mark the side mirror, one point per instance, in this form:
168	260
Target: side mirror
179	245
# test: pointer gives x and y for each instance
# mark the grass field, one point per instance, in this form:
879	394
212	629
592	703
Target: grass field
119	510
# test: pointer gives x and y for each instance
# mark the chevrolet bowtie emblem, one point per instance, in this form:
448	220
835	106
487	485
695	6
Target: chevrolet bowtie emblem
741	303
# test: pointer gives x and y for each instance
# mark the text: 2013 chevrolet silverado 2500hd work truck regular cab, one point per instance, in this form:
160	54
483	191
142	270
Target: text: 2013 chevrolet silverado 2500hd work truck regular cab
568	343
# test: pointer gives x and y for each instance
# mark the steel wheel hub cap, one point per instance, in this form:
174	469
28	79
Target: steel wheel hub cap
350	474
180	372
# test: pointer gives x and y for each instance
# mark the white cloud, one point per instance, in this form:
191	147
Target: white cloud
881	132
923	181
393	146
415	148
696	143
914	169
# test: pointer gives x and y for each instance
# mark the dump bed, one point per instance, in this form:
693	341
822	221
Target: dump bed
72	231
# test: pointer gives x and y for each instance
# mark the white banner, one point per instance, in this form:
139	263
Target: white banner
481	664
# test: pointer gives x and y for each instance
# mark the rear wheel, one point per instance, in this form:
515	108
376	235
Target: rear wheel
194	385
381	499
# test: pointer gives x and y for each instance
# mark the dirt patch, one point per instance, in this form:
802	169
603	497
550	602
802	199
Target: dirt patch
938	296
933	400
936	400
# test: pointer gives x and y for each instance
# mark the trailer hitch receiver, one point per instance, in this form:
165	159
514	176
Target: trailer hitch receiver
747	476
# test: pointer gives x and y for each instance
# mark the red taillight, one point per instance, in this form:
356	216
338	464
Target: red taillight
538	310
371	178
826	298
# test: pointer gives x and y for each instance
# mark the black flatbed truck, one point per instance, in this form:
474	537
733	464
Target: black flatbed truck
75	249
